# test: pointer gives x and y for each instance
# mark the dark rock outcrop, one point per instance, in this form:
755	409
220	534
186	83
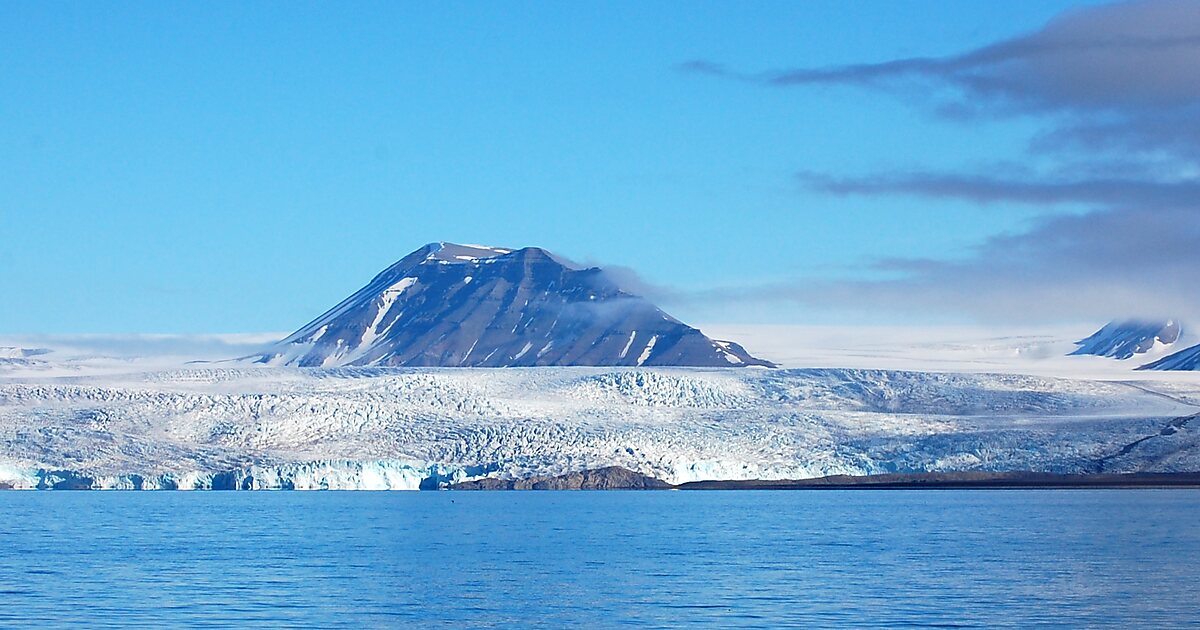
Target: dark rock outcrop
958	480
610	478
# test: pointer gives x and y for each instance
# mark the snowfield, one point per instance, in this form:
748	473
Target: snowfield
121	422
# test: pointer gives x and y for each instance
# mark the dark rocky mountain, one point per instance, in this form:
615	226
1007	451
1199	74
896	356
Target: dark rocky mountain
1122	340
472	306
1184	360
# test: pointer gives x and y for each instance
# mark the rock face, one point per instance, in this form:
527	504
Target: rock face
610	478
1184	360
448	305
1122	340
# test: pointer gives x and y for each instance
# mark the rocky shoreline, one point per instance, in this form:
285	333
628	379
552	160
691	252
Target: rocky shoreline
618	478
960	480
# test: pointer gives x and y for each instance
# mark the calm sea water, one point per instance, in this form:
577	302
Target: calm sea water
597	559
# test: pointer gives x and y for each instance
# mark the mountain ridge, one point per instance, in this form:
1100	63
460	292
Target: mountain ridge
1186	360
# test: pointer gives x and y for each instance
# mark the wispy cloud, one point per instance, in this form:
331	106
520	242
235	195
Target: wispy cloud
1098	265
984	189
1111	263
1128	55
1118	87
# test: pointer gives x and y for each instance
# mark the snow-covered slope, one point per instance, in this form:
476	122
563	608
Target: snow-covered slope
48	356
1123	340
473	306
1044	351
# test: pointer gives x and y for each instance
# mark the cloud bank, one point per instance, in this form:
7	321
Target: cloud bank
1118	89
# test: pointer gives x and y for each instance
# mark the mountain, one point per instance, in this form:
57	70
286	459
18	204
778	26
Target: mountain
1184	360
1122	340
10	352
448	305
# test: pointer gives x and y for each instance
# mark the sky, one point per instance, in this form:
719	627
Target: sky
233	167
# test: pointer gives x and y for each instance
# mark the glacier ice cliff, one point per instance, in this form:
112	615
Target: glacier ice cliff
206	427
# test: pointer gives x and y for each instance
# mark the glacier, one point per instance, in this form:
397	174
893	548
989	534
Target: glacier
233	426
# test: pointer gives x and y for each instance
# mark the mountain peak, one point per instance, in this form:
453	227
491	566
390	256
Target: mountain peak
1123	339
455	253
448	304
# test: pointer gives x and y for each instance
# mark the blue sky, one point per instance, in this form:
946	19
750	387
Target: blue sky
220	167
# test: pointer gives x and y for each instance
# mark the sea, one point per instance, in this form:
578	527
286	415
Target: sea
661	559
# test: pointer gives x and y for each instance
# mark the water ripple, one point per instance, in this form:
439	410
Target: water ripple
940	559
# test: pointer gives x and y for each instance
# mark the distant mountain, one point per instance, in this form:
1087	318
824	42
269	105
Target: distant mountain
12	357
1184	360
1122	340
10	352
475	306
